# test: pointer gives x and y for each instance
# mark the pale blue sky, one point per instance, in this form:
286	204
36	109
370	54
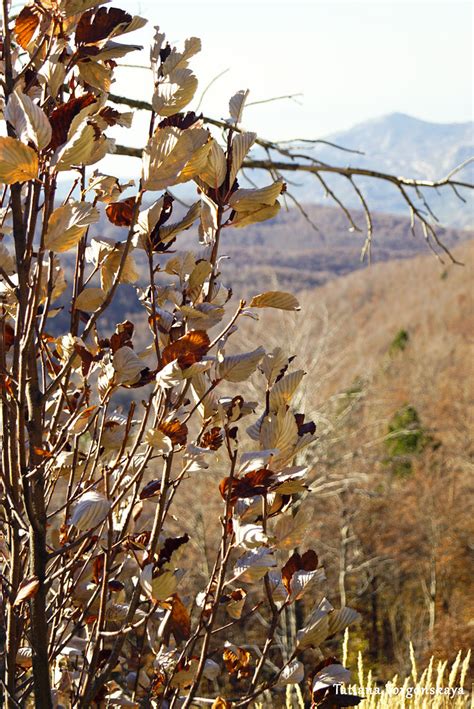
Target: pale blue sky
352	60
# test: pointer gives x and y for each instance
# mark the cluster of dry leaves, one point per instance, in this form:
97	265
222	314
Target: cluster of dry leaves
96	604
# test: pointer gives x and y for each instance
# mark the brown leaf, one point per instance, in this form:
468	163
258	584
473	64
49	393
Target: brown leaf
25	25
27	589
237	663
42	452
122	336
97	24
151	489
62	117
8	335
213	439
86	358
121	213
171	545
115	586
252	484
307	562
179	624
180	120
188	350
303	428
176	431
98	568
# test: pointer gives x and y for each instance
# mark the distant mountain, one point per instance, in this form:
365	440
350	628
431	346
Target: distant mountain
402	145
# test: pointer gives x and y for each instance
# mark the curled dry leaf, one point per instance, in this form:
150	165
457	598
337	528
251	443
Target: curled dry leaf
27	589
236	105
188	350
90	510
128	366
121	213
293	673
28	119
176	431
62	116
275	299
234	602
237	661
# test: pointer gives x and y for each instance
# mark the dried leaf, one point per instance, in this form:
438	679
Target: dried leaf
241	144
18	162
90	299
103	23
275	299
28	119
238	368
121	213
62	117
128	366
167	154
90	510
27	589
187	350
174	92
176	431
216	166
236	105
67	224
26	25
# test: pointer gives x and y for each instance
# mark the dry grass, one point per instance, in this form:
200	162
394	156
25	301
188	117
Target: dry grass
436	686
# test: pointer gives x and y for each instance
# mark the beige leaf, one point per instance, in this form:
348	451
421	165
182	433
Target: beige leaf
158	440
107	254
236	105
27	589
199	274
167	154
78	149
255	216
245	200
340	619
241	144
253	565
18	162
216	166
90	510
179	60
208	225
282	392
127	365
28	119
238	368
275	299
279	431
67	224
290	531
274	364
168	232
90	299
174	92
95	74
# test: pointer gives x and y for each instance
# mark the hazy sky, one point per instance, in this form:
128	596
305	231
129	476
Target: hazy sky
351	60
